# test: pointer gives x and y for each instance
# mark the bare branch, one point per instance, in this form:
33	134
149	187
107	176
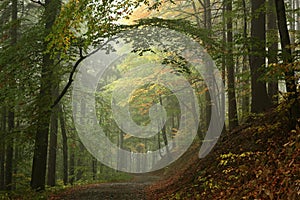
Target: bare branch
81	58
64	91
38	2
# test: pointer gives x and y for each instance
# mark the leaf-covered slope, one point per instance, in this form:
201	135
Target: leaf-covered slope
259	160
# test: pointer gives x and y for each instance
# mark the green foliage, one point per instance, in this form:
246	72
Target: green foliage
82	24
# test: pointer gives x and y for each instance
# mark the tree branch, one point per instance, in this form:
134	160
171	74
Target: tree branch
64	91
81	58
38	2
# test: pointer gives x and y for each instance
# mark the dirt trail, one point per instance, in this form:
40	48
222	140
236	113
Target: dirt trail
133	190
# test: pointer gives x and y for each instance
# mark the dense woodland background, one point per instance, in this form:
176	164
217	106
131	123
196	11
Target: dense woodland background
255	44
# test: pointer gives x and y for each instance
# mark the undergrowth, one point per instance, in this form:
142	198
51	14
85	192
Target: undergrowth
258	160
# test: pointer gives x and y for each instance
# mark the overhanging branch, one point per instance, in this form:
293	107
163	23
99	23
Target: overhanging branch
81	58
64	91
38	2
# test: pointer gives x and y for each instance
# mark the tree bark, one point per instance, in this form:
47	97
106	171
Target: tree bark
272	34
64	143
3	20
11	114
2	148
38	175
287	57
51	181
207	25
164	131
224	39
245	67
9	152
72	166
94	168
232	109
260	100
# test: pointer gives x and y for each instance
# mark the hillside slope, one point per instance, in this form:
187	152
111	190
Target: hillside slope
258	160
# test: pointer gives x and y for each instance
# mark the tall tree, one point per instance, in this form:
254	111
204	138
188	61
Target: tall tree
232	109
38	175
208	26
11	114
245	66
260	100
65	144
272	40
4	18
2	148
287	58
51	181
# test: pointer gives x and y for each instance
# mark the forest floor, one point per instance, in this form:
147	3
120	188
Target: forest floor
131	190
258	160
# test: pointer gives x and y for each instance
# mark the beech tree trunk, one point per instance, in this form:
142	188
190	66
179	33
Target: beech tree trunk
245	67
45	101
2	148
9	152
272	34
51	181
11	114
72	166
64	143
287	57
260	101
207	25
232	108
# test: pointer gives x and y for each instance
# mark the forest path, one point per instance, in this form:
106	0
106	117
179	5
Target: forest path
132	190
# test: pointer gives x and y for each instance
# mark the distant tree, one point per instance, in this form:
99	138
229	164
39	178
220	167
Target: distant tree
65	144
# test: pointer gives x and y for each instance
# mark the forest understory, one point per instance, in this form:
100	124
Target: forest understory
258	160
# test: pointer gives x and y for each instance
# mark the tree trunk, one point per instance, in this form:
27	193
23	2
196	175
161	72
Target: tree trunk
292	22
3	20
17	150
11	114
260	100
2	148
80	163
287	57
9	152
94	168
232	109
72	166
51	181
298	17
224	39
164	131
38	175
120	145
245	67
207	25
272	34
64	143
